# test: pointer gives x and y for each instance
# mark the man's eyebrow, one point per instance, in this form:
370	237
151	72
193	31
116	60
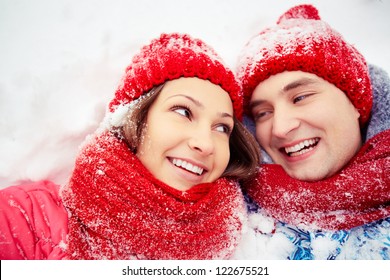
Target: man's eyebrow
298	83
255	103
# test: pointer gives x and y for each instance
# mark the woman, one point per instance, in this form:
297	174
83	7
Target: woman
158	180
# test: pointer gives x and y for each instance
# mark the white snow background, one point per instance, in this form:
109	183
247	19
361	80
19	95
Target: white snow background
61	61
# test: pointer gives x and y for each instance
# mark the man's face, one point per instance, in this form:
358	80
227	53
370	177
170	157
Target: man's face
306	124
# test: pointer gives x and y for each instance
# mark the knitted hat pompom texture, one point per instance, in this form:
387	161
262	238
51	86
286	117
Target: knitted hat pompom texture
170	57
301	41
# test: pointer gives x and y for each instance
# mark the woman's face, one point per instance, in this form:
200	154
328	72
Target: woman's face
186	138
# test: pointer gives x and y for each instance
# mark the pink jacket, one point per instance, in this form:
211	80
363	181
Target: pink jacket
33	222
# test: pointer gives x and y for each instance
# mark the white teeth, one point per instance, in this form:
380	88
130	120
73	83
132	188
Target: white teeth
188	166
300	146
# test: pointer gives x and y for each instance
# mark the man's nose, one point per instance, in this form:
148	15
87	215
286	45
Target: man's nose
284	121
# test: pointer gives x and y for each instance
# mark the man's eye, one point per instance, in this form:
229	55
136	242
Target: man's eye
303	96
261	115
299	98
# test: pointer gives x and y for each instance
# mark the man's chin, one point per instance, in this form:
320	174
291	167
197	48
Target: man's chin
307	175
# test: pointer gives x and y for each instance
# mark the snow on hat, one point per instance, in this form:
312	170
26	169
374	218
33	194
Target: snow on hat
302	41
170	57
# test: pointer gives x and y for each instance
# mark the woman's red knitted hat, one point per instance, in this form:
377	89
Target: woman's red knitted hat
301	41
172	56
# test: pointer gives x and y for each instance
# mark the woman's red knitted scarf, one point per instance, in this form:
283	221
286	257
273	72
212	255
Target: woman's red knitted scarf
359	194
118	210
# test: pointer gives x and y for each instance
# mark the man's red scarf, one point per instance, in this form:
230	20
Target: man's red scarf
359	194
118	210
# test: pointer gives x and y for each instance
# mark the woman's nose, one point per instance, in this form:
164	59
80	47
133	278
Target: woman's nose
201	140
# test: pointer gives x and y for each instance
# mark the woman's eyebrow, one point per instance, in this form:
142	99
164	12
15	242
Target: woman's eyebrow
225	115
199	104
195	101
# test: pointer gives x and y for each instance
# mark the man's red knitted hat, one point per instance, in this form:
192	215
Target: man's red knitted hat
172	56
301	41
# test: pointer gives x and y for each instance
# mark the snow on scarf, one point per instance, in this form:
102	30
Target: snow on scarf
120	211
359	194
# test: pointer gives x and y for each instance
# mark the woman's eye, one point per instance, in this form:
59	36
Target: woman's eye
224	129
182	111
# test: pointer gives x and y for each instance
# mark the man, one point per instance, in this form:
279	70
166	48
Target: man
310	96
